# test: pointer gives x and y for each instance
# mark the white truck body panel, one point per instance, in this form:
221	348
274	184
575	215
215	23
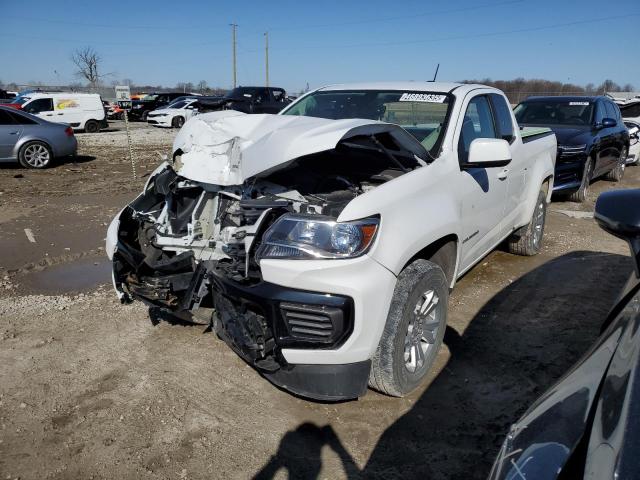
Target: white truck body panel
477	207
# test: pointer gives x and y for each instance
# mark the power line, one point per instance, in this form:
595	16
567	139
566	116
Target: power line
458	37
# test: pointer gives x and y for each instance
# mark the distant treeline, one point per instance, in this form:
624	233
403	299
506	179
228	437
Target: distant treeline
520	88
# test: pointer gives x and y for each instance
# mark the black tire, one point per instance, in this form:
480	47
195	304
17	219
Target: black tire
580	195
144	116
91	126
390	372
177	122
528	240
35	154
617	173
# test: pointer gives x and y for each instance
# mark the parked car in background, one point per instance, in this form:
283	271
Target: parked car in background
327	238
592	139
586	425
82	111
634	142
141	108
631	110
175	114
255	99
33	141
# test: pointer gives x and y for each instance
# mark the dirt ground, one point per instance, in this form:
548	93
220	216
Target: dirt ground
91	389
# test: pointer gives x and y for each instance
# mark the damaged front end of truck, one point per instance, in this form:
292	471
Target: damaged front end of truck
240	189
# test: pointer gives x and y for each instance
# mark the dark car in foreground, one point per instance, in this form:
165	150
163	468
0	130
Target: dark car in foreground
588	424
33	141
141	108
593	141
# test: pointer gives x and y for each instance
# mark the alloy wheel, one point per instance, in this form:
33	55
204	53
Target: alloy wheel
422	331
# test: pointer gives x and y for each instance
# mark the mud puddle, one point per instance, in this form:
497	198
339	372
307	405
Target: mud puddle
80	276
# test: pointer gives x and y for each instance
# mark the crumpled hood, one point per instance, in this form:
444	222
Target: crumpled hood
227	147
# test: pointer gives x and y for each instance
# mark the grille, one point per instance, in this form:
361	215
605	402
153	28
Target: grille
316	323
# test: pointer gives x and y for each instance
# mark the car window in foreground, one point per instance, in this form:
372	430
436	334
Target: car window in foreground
179	104
422	114
555	112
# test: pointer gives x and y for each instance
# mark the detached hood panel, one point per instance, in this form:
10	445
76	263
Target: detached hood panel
227	147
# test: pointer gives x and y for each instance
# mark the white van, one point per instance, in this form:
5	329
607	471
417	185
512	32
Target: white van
82	111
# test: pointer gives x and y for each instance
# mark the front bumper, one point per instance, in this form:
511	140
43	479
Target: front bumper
568	173
159	121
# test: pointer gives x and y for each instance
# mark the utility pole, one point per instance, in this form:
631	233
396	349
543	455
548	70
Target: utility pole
233	28
266	55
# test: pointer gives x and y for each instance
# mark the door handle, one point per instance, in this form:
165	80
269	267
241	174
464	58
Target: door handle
14	133
61	114
49	114
503	174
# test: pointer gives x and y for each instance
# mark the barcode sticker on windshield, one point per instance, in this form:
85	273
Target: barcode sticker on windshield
578	103
422	97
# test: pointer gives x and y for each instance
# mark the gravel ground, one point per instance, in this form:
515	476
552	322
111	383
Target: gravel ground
92	389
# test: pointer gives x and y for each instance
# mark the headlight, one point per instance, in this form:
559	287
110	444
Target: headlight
313	237
568	150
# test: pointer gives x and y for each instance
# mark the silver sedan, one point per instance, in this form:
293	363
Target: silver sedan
32	141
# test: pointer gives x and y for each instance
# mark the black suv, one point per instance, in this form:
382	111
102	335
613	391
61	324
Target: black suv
256	99
592	139
141	108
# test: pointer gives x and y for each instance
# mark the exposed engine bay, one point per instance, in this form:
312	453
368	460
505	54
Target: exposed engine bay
184	244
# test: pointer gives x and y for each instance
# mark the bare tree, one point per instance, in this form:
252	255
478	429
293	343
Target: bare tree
202	86
87	62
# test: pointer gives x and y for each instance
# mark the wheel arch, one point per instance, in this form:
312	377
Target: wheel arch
444	252
23	141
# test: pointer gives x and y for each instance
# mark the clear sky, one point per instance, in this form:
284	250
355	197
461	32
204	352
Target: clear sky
166	42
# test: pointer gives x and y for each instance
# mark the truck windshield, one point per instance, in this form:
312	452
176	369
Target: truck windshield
555	112
422	114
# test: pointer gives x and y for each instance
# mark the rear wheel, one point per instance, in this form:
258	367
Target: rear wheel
580	195
144	116
529	241
413	331
35	155
177	122
91	126
617	173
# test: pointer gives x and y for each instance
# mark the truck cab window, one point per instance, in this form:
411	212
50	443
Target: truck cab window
39	105
502	113
477	123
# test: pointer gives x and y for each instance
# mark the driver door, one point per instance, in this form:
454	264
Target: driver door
483	190
42	107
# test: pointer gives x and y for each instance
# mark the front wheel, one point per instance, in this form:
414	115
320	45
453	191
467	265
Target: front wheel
580	195
177	122
617	173
413	331
528	240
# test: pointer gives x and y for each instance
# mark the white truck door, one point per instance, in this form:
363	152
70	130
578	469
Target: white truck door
483	191
517	169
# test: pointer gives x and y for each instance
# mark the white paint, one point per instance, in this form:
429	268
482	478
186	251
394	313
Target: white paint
227	147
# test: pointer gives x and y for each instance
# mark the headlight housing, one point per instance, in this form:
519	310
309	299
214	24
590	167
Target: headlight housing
571	150
308	237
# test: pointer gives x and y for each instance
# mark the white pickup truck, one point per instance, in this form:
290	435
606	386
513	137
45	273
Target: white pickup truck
324	240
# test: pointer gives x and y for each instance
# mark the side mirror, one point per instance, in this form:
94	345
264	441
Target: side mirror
607	123
488	152
617	213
